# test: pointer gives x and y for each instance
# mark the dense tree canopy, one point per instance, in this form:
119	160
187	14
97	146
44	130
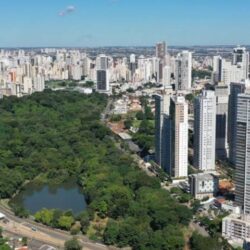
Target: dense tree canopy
59	133
46	133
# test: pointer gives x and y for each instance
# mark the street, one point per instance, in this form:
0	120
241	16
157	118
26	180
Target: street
35	231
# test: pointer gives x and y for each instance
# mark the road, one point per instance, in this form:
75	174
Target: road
47	235
107	110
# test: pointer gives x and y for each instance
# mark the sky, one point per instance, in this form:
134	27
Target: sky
91	23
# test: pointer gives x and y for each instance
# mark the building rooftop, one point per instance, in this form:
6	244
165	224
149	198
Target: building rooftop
125	136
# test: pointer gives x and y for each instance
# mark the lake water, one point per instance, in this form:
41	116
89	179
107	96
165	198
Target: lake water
66	196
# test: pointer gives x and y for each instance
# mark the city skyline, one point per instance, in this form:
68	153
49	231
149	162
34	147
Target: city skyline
98	23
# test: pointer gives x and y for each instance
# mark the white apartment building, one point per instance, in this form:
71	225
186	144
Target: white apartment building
183	70
179	152
236	228
166	76
204	131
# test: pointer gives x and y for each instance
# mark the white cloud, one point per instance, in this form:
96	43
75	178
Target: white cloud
68	10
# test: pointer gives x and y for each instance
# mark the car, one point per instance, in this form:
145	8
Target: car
33	229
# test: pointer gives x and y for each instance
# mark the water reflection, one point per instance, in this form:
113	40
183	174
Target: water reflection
66	196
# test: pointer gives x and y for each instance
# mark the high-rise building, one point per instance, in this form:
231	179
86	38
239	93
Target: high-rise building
242	153
160	50
102	62
166	145
132	65
231	71
156	68
102	80
183	71
162	104
204	131
222	99
235	89
102	73
241	59
179	137
217	69
166	76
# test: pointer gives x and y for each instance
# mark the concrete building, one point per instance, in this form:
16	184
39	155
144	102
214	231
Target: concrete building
167	140
171	133
235	89
162	105
217	69
179	137
204	131
183	71
166	76
102	62
222	99
102	80
242	154
132	66
203	185
241	60
160	52
236	229
155	66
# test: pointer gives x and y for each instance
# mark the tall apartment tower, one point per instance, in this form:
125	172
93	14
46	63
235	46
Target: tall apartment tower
166	76
162	104
160	52
217	69
222	99
204	131
102	73
235	89
102	80
132	65
179	137
102	62
242	153
183	71
241	59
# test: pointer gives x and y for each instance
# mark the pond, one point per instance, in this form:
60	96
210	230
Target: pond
66	196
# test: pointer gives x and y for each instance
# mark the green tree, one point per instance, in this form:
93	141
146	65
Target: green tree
72	244
128	123
44	216
111	233
140	115
199	242
25	241
65	222
85	221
